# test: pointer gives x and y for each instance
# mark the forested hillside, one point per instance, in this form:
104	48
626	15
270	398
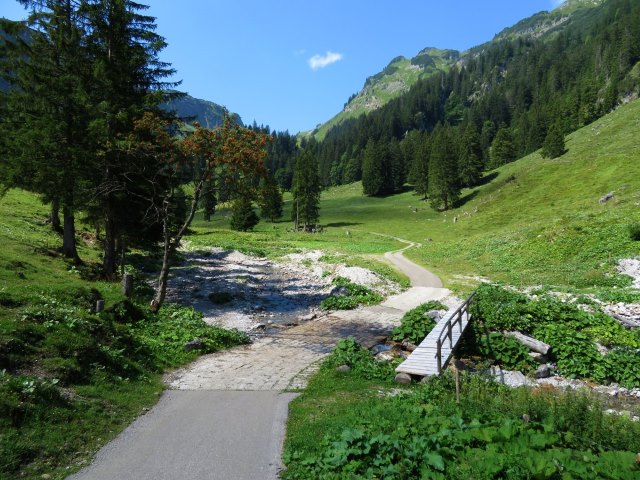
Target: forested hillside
394	80
548	75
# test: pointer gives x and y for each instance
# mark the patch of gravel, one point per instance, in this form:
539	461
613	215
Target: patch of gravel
516	379
358	275
261	295
631	268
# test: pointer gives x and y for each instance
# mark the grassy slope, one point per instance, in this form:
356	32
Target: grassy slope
537	221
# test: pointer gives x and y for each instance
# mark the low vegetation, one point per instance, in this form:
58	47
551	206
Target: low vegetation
71	379
416	324
349	425
572	332
350	296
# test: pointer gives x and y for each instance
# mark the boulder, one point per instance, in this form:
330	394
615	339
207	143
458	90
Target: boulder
403	379
543	371
195	344
343	369
385	356
338	291
408	346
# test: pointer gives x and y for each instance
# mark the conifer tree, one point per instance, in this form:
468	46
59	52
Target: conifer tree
305	209
128	80
270	200
470	157
420	166
46	109
209	201
554	145
373	173
243	216
444	186
502	150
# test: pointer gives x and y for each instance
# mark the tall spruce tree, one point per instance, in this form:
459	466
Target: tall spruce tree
502	149
444	185
305	209
46	66
270	200
373	171
470	160
554	145
420	166
243	217
128	80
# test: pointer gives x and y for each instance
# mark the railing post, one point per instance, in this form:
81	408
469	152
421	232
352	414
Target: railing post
450	333
439	355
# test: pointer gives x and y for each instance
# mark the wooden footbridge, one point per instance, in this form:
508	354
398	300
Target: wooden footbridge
435	351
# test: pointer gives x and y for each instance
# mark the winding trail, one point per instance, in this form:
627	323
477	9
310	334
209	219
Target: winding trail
225	415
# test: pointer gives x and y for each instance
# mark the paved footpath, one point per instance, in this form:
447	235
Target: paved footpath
225	417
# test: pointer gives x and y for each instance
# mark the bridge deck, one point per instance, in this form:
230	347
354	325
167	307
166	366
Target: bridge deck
423	360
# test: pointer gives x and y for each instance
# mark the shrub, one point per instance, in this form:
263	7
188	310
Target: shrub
505	351
634	232
416	324
356	295
349	352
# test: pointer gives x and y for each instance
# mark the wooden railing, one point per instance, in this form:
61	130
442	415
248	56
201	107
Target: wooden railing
455	318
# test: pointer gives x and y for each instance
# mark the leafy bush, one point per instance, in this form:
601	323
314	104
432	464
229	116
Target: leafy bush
500	309
575	353
166	333
349	352
634	232
623	366
424	434
505	351
570	331
416	324
356	295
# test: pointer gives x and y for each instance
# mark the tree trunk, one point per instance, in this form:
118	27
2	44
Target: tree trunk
54	215
170	246
161	289
69	249
109	261
529	342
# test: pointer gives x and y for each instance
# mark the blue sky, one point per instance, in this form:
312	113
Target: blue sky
293	64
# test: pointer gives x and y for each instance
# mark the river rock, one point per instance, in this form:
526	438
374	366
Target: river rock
195	344
408	346
543	371
403	379
434	314
376	349
343	369
384	356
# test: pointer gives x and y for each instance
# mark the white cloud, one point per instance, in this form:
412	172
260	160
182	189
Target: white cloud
321	61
